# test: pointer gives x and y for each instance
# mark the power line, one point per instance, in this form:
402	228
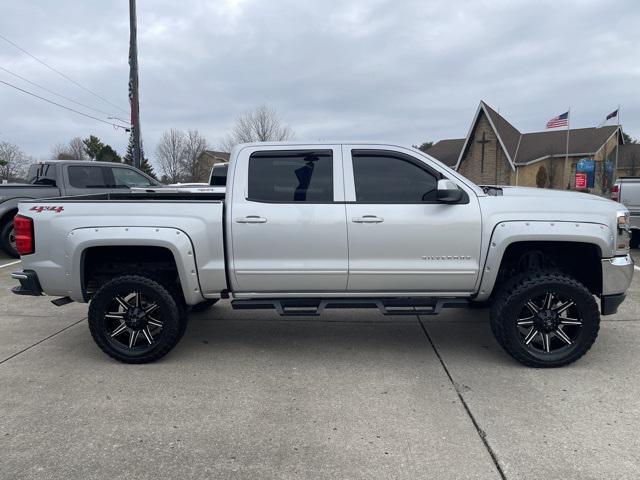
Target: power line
58	94
61	74
64	106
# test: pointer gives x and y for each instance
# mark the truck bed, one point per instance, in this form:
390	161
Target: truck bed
146	196
189	225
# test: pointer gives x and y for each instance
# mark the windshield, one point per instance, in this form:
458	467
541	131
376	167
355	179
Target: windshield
42	174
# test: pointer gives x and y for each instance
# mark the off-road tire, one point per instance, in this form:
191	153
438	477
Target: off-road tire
173	320
5	243
510	300
204	306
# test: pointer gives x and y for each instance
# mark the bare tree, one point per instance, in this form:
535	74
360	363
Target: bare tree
74	150
195	145
13	161
171	154
260	125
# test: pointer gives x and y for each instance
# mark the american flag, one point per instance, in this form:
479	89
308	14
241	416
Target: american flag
561	120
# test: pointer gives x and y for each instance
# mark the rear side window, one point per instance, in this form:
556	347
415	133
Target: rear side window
390	178
81	176
42	174
291	176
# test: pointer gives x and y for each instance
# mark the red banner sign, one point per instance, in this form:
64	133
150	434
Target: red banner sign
581	180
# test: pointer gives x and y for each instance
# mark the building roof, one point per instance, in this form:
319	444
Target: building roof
538	145
524	148
629	155
509	134
447	151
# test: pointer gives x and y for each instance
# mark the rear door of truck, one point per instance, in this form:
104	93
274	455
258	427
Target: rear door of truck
287	220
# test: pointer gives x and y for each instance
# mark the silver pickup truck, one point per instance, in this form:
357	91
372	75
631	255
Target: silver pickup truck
307	227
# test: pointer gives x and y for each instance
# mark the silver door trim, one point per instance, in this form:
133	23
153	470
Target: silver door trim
358	294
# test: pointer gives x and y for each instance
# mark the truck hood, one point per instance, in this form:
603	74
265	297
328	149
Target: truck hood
538	204
557	194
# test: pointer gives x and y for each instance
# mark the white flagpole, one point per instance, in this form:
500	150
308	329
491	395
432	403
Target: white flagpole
566	158
618	135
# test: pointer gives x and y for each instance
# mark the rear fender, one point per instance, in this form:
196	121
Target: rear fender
173	239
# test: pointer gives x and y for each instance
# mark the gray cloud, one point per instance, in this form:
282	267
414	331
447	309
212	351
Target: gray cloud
405	71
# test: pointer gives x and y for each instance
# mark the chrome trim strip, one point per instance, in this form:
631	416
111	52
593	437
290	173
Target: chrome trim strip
291	272
244	295
413	272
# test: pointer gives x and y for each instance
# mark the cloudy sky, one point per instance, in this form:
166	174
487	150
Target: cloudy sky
405	71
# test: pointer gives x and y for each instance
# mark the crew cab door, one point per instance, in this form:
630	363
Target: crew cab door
287	220
401	239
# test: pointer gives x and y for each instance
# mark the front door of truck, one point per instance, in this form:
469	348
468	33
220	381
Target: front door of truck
287	220
400	238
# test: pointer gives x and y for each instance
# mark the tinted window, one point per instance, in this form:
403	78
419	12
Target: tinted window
42	174
291	176
87	177
385	178
125	178
219	175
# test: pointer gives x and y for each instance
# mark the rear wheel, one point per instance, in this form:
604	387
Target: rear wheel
545	319
8	240
135	319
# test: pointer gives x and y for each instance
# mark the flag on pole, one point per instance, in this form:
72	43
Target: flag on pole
613	114
561	120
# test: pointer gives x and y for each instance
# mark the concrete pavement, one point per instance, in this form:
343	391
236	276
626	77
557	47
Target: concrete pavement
350	395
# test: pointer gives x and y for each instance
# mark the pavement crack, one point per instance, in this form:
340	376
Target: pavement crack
43	340
457	387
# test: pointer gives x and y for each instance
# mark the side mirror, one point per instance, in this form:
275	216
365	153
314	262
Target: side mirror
448	192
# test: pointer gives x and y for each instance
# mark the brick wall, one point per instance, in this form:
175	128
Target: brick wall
496	169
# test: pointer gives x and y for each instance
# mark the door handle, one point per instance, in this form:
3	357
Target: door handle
251	219
367	219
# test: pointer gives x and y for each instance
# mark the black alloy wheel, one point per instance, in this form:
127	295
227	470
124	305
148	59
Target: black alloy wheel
549	323
545	318
135	319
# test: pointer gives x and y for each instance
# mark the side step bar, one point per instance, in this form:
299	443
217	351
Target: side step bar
386	306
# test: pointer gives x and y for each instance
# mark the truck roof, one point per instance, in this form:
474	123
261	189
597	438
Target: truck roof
62	162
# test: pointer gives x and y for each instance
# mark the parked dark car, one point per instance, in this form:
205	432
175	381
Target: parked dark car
62	178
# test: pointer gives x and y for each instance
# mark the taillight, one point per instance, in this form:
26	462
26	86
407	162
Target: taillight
23	228
615	193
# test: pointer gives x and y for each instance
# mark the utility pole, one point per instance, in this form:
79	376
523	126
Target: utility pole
133	84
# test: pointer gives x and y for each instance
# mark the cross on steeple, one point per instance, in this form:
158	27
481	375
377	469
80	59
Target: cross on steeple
482	142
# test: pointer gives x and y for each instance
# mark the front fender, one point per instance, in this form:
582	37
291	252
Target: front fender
507	233
177	241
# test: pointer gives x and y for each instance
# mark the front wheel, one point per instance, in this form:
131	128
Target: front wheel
135	319
545	319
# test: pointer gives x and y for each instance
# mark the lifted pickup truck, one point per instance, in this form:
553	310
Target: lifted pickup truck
59	178
307	227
